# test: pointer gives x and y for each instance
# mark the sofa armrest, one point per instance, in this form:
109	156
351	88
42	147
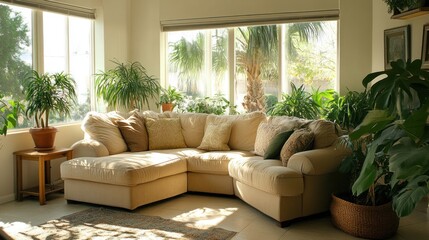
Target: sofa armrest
89	148
319	161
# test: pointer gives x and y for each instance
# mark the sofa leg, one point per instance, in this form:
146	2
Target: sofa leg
285	224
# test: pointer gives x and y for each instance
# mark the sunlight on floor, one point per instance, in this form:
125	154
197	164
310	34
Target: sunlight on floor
204	218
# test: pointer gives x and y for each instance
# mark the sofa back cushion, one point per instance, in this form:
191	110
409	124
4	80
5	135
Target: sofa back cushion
325	133
164	133
193	125
99	127
134	133
243	131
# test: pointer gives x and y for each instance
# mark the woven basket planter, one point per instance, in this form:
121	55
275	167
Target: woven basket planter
373	222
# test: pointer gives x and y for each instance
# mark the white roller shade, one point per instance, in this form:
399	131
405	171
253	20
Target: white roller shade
247	20
57	7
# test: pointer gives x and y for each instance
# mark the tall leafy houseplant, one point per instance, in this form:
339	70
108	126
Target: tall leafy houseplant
9	111
127	85
298	103
398	125
47	94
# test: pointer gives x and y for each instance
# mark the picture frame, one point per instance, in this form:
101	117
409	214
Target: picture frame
425	47
397	45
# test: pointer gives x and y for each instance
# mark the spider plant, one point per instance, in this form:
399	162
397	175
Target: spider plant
127	85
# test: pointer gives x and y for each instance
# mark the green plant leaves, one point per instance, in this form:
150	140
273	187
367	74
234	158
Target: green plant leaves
406	200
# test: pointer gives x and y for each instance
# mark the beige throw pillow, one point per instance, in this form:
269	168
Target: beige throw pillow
299	141
216	137
134	133
164	133
99	127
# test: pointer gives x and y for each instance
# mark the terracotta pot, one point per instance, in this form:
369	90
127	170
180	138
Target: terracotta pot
43	138
373	222
167	107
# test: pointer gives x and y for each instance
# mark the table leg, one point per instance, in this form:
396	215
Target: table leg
18	178
42	181
48	172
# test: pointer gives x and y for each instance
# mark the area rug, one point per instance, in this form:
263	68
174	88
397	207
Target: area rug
101	223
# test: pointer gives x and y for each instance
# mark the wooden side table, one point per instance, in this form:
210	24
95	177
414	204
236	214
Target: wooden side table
43	158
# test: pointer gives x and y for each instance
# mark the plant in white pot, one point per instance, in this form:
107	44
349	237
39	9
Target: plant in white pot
47	94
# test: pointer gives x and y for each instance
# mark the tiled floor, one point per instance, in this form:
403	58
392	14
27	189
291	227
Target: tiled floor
208	210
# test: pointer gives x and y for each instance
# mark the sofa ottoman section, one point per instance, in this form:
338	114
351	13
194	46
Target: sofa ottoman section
208	172
132	176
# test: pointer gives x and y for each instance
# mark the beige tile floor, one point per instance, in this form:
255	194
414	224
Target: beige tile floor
211	210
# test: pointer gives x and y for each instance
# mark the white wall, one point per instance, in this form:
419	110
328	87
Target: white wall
382	21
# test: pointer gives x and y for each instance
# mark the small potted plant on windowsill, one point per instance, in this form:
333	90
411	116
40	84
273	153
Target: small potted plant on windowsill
169	98
47	94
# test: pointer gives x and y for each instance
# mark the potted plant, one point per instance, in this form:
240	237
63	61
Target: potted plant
169	98
127	86
399	6
9	110
47	94
394	164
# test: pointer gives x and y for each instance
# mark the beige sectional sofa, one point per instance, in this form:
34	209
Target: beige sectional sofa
131	161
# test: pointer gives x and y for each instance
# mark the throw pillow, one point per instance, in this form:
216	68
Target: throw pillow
134	133
276	144
216	134
99	127
267	131
164	133
299	141
325	133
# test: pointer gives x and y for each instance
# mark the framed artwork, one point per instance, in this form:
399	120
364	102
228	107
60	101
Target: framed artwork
397	45
425	47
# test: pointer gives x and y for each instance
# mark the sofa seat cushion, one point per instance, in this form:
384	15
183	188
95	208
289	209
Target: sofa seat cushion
215	162
267	175
127	169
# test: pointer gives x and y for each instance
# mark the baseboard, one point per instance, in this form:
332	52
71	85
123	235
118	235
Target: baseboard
7	198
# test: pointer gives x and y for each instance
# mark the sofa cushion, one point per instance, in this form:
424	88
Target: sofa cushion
134	132
126	169
193	125
267	175
99	127
164	133
300	140
276	144
325	133
216	133
243	131
214	162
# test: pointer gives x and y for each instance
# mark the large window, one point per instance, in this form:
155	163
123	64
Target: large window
66	43
266	60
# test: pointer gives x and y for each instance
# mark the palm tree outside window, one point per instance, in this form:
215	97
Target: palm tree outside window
266	57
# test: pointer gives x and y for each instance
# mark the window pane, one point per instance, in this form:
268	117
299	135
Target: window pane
186	61
55	42
257	73
312	60
219	63
16	52
80	62
68	48
15	49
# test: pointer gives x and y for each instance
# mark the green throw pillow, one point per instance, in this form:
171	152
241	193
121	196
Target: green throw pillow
276	144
